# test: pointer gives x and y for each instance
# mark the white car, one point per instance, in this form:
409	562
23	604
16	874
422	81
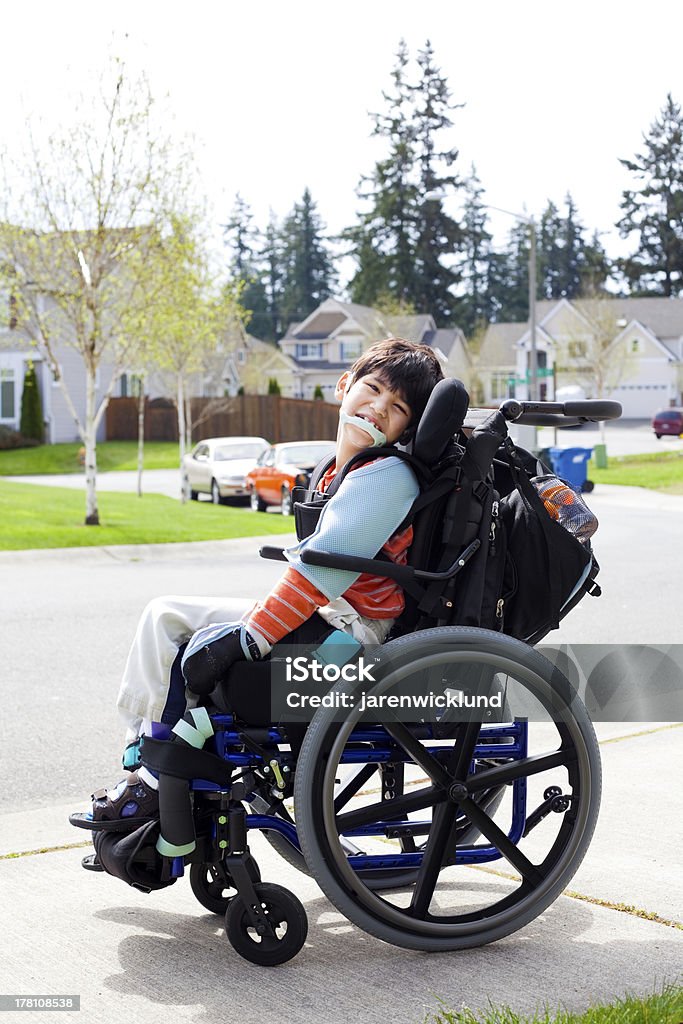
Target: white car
218	466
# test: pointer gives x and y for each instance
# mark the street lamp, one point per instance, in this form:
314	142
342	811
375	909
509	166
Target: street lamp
531	224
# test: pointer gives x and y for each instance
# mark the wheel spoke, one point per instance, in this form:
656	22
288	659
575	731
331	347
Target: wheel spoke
353	785
385	811
412	746
435	849
517	769
488	828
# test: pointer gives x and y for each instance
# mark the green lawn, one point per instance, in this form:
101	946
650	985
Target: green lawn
32	516
63	458
665	1007
659	471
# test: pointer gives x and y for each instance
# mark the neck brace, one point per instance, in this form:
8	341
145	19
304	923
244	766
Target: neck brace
375	435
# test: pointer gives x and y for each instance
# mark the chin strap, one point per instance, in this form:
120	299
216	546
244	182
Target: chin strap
376	436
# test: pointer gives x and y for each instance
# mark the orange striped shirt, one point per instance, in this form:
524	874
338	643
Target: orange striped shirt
294	599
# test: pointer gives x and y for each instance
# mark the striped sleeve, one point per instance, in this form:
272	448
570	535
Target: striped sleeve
290	603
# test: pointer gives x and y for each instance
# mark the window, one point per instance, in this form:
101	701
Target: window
241	357
576	349
502	385
635	345
7	403
349	350
306	350
130	385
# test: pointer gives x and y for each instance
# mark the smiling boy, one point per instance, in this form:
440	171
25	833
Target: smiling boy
382	396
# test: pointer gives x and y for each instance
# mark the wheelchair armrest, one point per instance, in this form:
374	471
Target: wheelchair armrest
403	574
277	554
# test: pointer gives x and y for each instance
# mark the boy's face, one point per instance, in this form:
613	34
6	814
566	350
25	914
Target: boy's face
370	398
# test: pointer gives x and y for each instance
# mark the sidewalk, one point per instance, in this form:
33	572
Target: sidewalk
135	957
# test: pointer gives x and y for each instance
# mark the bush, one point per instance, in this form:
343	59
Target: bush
31	423
13	439
318	394
273	386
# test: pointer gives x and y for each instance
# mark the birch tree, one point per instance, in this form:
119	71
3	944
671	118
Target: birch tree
79	212
195	314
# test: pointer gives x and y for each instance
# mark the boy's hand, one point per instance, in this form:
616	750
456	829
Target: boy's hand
212	651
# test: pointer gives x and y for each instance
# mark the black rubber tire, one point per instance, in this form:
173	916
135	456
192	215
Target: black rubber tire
216	498
256	502
578	754
587	486
286	502
282	907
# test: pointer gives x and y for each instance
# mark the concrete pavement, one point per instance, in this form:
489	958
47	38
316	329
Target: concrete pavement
131	956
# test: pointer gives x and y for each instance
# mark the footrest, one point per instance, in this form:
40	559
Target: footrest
83	819
91	863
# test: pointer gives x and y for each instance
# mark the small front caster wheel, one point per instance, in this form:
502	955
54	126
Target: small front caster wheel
287	917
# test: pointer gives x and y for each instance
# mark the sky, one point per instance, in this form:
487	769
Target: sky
277	95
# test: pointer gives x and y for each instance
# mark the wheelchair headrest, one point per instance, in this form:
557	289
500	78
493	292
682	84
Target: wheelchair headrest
443	417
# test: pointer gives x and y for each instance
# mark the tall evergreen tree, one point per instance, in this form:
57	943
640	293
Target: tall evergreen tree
404	245
437	234
654	209
383	241
271	255
475	304
244	241
549	253
308	275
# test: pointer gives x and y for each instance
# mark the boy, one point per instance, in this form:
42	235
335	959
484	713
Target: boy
382	397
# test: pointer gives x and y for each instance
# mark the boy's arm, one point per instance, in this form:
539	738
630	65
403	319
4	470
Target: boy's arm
366	511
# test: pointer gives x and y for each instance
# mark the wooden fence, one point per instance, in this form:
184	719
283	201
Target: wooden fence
270	416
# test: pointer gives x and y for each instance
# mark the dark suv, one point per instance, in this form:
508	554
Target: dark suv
668	421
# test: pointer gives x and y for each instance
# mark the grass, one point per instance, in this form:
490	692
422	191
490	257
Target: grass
32	516
658	471
665	1007
63	458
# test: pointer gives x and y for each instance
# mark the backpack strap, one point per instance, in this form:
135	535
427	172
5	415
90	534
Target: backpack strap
532	499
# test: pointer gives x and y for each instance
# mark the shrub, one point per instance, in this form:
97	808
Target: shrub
318	394
31	423
13	439
273	386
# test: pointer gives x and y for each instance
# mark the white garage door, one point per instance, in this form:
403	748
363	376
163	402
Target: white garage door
641	401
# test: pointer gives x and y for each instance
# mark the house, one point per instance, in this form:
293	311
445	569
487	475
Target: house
252	363
325	344
16	352
640	341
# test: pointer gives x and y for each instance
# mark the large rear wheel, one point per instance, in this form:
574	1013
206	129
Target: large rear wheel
537	835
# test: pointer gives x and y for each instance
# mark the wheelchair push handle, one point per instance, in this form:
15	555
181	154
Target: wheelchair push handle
550	413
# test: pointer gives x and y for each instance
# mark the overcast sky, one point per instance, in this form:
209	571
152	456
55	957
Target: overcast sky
277	94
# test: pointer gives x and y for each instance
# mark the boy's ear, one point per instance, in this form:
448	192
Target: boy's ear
342	384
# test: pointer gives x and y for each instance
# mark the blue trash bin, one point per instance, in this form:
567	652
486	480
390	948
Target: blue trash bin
571	465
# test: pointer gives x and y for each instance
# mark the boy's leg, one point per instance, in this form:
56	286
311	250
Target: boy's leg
150	688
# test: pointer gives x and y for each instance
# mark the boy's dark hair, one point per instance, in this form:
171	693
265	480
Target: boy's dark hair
406	367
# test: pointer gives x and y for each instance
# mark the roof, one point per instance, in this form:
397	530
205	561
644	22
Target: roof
663	316
498	346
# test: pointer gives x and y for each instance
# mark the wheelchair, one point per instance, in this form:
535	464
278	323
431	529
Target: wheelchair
441	805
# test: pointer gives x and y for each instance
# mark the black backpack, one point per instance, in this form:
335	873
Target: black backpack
522	571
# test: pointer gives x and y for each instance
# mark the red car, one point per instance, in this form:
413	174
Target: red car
280	469
668	421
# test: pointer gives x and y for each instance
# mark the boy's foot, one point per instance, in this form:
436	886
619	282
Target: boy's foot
129	804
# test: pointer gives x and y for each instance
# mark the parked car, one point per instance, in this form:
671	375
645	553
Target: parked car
280	469
218	466
668	421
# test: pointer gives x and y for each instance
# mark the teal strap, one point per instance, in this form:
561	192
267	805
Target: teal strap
337	649
202	720
188	733
172	849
